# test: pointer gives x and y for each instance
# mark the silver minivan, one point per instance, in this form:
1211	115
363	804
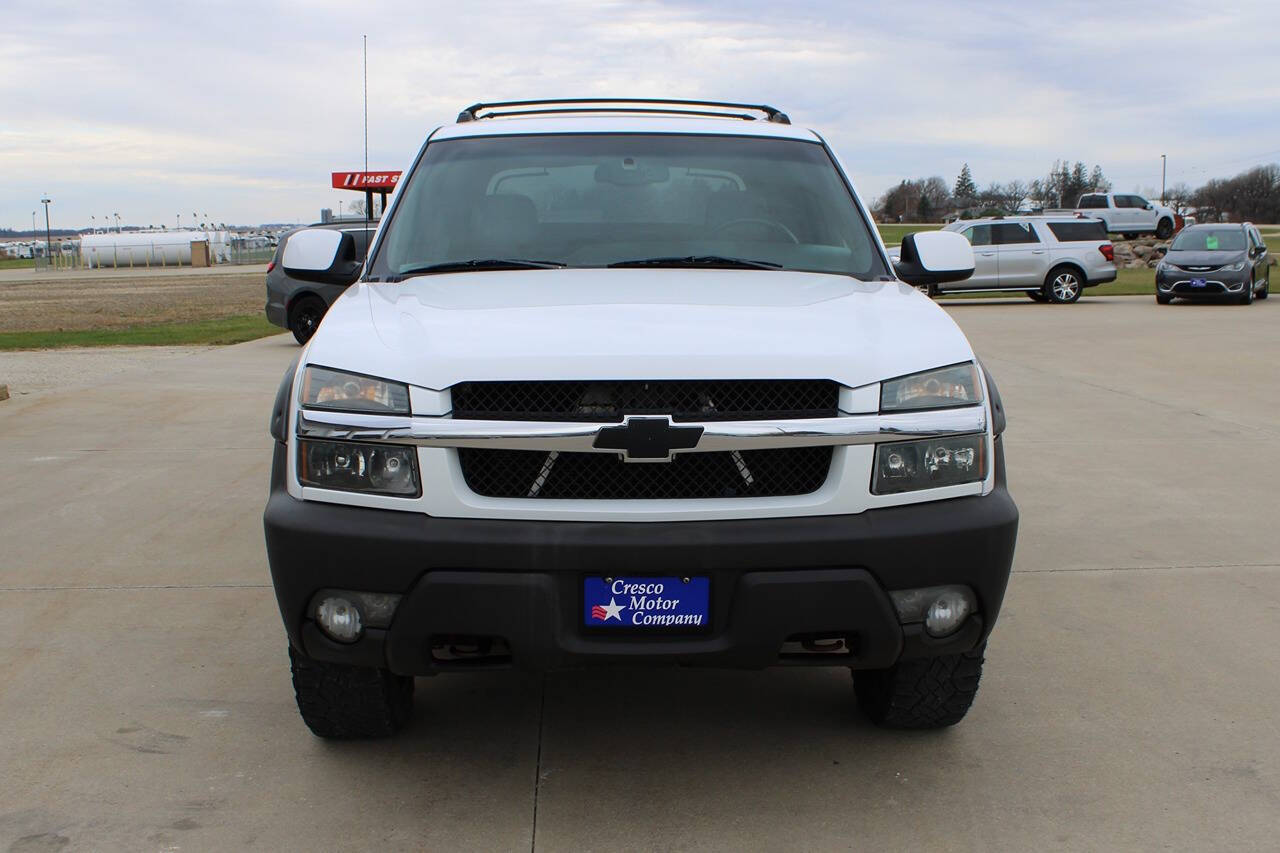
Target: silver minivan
1051	259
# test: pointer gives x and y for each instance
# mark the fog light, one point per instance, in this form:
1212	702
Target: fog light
946	614
339	618
942	609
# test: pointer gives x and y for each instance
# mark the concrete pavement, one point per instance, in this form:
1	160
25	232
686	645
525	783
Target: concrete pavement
1128	701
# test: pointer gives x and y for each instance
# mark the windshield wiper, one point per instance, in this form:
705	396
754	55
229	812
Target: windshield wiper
479	264
720	261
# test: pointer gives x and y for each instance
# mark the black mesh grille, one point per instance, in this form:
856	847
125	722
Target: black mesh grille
684	400
604	476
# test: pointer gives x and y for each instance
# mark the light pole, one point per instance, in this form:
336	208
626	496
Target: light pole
1162	165
117	216
48	234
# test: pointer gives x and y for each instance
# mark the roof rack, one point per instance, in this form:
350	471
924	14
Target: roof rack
501	109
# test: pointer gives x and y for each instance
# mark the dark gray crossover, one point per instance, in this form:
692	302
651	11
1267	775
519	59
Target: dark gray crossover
299	305
1225	261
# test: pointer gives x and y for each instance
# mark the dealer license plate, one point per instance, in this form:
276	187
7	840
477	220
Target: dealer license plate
1198	282
646	603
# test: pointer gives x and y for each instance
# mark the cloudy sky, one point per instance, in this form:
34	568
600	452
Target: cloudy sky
241	110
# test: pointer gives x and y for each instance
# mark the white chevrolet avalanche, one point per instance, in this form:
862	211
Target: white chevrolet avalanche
634	383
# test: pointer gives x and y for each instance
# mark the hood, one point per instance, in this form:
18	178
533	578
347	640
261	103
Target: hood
1186	258
434	331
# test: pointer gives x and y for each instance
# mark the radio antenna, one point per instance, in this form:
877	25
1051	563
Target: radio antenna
368	195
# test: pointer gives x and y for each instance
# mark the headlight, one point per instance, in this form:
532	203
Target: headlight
323	388
1236	267
906	466
944	388
376	469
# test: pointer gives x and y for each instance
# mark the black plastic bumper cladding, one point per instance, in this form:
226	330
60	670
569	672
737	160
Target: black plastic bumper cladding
521	580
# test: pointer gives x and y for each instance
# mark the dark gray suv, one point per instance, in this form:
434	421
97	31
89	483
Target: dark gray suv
1225	261
299	305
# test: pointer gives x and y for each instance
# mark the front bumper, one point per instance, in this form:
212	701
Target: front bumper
1219	284
771	580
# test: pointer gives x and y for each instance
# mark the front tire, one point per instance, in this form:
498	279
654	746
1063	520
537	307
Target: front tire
929	693
305	316
1266	287
341	701
1163	298
1063	285
1035	295
1164	228
1246	297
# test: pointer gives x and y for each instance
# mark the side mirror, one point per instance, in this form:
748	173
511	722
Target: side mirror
1148	206
934	257
323	255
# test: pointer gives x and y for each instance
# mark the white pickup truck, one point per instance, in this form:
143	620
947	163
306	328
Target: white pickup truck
1128	214
634	383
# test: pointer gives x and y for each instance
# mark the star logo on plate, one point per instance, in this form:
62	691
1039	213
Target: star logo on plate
605	612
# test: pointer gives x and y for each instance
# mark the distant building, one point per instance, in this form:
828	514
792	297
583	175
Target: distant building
326	214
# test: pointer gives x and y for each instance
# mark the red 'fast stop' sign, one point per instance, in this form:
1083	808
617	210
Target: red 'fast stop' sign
382	181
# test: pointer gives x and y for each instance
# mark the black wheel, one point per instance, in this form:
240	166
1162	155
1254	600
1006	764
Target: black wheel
304	316
1063	285
342	701
1164	228
1035	295
1246	296
1163	298
1266	287
929	693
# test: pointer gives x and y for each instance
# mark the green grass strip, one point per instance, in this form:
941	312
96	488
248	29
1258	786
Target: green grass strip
226	330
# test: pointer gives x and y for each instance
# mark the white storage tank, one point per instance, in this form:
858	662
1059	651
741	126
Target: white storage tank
150	248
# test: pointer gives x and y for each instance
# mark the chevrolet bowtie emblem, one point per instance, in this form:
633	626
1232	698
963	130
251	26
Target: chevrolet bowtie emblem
647	439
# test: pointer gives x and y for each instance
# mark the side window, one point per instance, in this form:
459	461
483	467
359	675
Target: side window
978	235
1131	201
1012	233
1090	201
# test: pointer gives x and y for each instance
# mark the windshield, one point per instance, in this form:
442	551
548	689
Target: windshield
1209	240
591	200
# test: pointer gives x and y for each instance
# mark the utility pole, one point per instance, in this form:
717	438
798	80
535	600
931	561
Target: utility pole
1162	165
33	240
48	235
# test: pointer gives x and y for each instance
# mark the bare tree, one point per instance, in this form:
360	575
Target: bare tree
1013	194
1178	196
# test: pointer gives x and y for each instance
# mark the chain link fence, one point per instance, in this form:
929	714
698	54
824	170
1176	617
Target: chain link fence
238	250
